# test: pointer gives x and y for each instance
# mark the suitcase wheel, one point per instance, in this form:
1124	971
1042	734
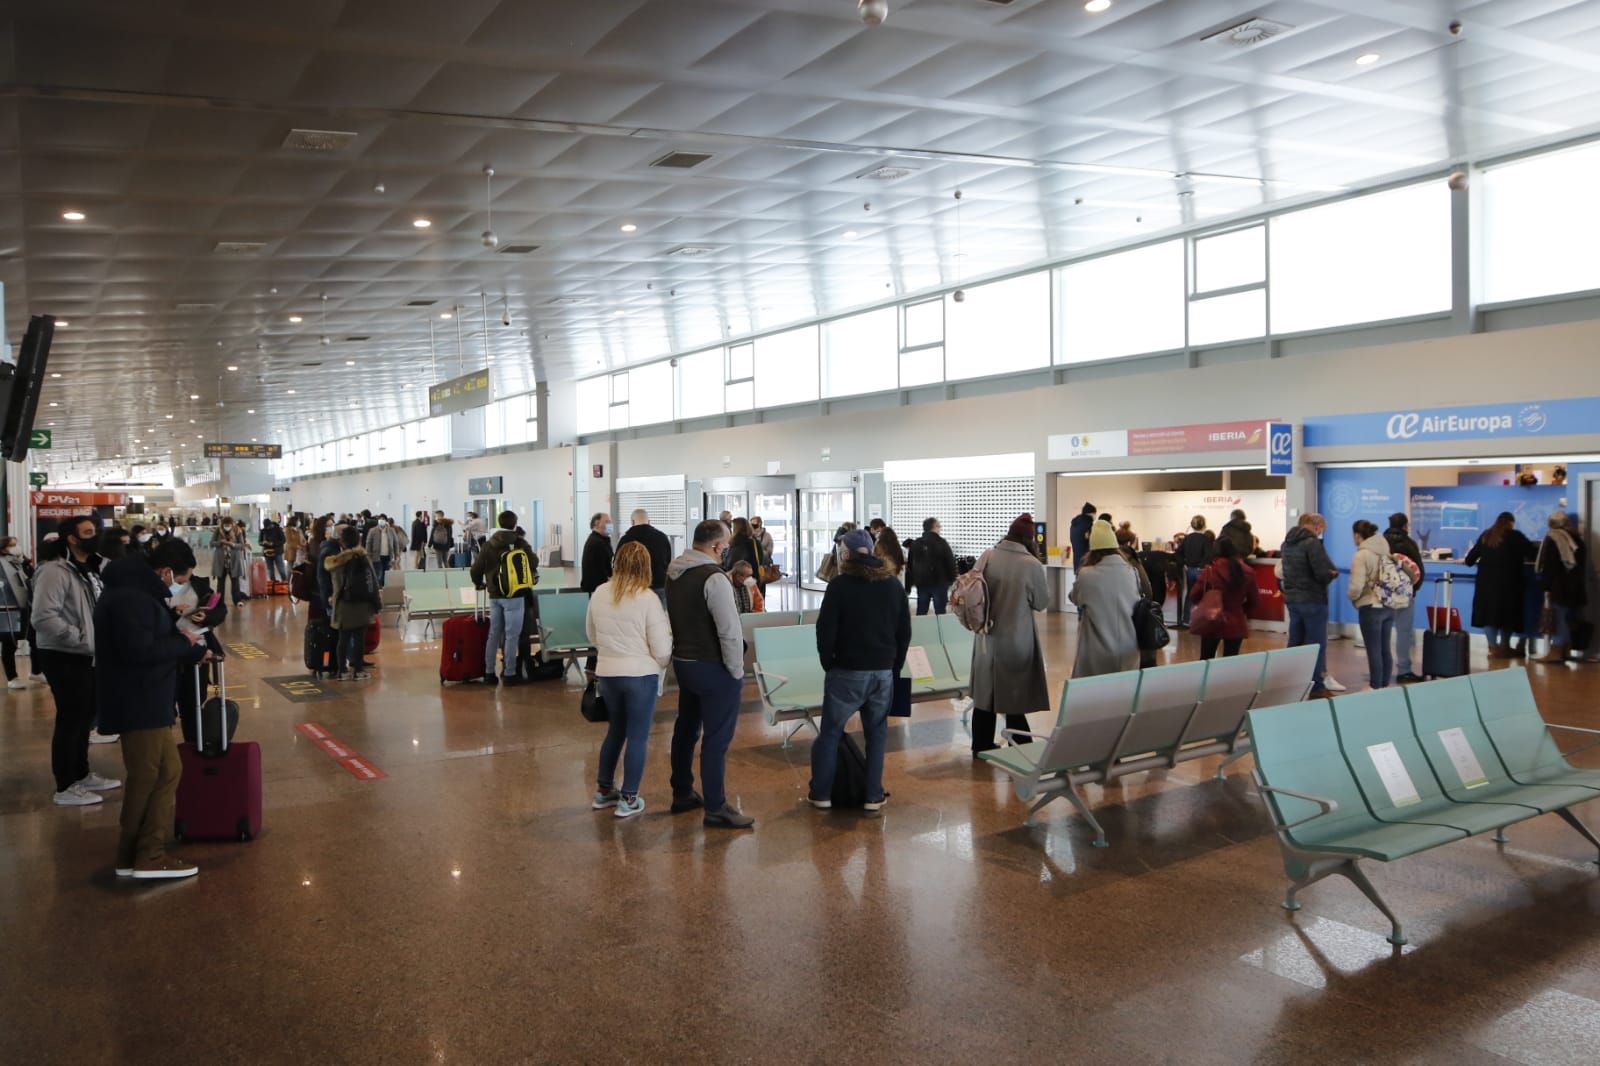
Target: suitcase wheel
244	830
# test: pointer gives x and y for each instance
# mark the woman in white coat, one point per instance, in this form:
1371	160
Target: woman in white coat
633	643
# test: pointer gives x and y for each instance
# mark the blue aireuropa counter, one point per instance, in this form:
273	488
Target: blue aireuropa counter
1463	583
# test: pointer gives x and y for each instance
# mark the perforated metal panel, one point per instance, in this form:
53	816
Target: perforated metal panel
973	515
667	509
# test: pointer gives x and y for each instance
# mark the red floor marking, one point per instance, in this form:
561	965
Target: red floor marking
356	765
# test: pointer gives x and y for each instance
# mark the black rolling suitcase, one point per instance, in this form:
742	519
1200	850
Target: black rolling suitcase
850	780
321	642
1446	651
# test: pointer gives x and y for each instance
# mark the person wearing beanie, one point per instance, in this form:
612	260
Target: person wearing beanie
1562	575
1106	592
1008	661
863	632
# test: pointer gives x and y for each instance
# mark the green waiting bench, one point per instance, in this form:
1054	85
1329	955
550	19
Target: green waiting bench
1114	725
1394	772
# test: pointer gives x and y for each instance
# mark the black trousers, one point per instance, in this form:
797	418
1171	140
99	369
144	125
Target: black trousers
1208	647
8	654
983	723
71	679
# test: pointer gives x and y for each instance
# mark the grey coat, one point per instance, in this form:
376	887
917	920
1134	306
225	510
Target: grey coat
1107	643
1008	661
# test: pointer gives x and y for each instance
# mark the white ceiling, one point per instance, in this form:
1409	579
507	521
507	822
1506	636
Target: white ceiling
163	121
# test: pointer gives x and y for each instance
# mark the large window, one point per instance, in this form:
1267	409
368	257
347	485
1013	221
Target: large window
1228	286
922	343
998	329
786	368
1541	224
740	392
701	384
859	353
510	421
1367	259
428	438
1129	303
594	405
650	389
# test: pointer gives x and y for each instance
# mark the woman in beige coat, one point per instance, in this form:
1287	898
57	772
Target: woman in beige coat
1008	661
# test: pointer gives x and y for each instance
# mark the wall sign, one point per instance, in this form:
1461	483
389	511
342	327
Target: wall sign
1541	418
38	477
459	394
1159	440
244	451
485	486
1280	449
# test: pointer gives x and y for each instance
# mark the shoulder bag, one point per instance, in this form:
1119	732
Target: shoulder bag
593	705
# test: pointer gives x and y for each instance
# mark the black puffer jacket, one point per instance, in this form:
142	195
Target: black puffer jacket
138	650
1307	570
931	562
1238	531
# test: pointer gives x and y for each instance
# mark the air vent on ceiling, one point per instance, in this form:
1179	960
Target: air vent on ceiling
311	364
568	301
693	251
421	303
1249	33
681	160
318	140
238	247
519	249
194	307
887	173
361	338
1001	3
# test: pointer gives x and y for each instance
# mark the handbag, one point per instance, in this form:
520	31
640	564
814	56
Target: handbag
1206	618
900	701
1148	626
769	574
593	705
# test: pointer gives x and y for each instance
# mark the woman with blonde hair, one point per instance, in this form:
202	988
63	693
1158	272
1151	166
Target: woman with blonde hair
633	644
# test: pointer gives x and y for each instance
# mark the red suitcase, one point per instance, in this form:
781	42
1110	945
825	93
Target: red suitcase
375	636
461	654
219	798
258	577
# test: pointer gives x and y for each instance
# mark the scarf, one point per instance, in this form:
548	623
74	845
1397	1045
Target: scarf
1563	542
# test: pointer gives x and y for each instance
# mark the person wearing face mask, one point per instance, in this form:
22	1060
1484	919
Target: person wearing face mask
14	603
1305	572
64	594
272	541
763	537
746	592
139	653
385	545
597	554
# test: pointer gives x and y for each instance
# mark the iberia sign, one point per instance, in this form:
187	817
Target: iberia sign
1160	440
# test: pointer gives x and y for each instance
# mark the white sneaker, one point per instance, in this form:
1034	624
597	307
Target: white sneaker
97	737
124	871
24	649
16	682
95	783
1331	683
77	796
37	679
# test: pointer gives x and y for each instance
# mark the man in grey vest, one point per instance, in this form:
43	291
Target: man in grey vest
708	659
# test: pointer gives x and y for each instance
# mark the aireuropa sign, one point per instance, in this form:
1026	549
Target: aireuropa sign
1542	418
1280	449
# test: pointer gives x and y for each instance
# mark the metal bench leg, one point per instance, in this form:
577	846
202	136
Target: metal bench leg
1500	836
1355	874
1583	830
1088	816
1030	821
1230	760
797	727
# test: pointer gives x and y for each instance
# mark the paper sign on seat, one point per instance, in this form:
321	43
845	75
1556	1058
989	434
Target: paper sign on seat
469	597
917	664
1465	760
1392	771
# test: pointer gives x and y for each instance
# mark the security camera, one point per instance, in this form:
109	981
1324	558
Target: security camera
490	240
959	296
1455	29
505	319
1457	180
873	12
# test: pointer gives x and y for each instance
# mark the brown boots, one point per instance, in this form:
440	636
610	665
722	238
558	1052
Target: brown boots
1557	654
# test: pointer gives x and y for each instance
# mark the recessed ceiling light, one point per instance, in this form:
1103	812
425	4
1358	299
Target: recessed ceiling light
349	362
54	404
169	416
422	223
446	314
49	423
850	234
1366	59
232	367
289	391
250	411
629	227
296	319
74	216
56	374
194	396
1094	7
62	323
253	440
618	313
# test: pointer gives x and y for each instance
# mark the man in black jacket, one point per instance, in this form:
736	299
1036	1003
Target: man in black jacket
596	568
1307	573
932	567
658	544
1400	543
1078	535
1238	531
863	633
138	650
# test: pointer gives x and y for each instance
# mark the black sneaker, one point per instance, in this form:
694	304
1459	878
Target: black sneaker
510	680
728	818
691	801
1407	678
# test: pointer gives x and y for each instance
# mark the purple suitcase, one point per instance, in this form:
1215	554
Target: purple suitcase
219	797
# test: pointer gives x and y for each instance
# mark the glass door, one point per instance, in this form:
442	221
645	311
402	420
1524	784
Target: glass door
776	510
736	502
822	512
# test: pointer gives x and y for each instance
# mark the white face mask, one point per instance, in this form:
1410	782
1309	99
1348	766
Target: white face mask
144	538
749	582
176	589
382	522
611	527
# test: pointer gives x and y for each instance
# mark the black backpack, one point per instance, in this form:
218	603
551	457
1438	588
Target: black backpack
360	583
1149	628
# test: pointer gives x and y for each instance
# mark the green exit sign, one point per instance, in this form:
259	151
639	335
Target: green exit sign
38	477
39	438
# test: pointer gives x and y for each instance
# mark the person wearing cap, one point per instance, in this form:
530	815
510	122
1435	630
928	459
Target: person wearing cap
1008	661
1106	592
863	632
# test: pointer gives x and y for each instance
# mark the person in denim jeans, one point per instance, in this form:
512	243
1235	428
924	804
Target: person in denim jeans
1304	577
506	608
633	644
1376	620
863	632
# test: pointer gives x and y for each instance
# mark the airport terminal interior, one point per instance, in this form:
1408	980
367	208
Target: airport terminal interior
465	464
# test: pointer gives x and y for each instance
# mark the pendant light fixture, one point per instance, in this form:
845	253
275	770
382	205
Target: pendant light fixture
960	295
489	238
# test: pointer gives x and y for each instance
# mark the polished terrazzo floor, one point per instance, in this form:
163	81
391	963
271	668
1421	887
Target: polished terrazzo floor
469	907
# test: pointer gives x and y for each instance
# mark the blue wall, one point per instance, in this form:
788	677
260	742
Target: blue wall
1344	496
